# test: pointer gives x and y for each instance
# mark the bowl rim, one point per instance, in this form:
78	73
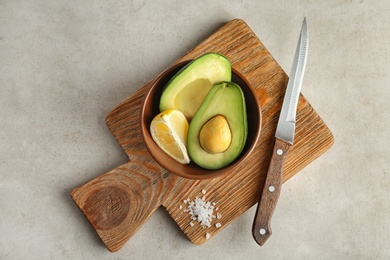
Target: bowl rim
185	170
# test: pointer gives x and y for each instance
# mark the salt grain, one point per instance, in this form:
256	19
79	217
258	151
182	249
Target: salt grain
200	210
207	235
219	215
218	225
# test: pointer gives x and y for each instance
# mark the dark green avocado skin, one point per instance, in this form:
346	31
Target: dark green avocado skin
186	90
227	99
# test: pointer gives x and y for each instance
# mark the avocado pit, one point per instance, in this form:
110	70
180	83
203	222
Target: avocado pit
215	135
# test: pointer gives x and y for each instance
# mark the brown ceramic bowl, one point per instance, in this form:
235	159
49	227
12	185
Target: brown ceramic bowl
150	108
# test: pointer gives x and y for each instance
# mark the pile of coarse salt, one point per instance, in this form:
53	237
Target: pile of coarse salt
202	211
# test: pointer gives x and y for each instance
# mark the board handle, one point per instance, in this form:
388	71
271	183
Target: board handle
119	202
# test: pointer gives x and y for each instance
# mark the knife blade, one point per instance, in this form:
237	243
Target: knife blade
284	138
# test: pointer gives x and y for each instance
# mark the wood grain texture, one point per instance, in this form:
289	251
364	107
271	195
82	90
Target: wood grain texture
118	202
261	229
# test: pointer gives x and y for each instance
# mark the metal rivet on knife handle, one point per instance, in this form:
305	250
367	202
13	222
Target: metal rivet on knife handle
262	224
284	135
271	188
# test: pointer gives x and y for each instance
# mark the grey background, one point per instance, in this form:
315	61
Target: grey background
65	64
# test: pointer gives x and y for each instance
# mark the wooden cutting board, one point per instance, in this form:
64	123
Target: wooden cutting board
119	202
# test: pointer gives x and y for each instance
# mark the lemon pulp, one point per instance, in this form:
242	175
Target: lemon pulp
169	130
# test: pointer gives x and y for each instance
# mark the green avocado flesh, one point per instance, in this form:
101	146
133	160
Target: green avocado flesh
226	99
188	88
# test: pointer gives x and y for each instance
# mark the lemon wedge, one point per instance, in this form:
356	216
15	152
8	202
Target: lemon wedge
169	130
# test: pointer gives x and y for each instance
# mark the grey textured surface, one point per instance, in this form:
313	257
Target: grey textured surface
65	64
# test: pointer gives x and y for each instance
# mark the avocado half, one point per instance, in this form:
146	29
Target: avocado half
188	88
226	99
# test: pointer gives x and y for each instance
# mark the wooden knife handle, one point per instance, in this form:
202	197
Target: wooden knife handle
117	203
261	229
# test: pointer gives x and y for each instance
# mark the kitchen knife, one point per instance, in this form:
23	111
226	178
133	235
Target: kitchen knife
284	138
